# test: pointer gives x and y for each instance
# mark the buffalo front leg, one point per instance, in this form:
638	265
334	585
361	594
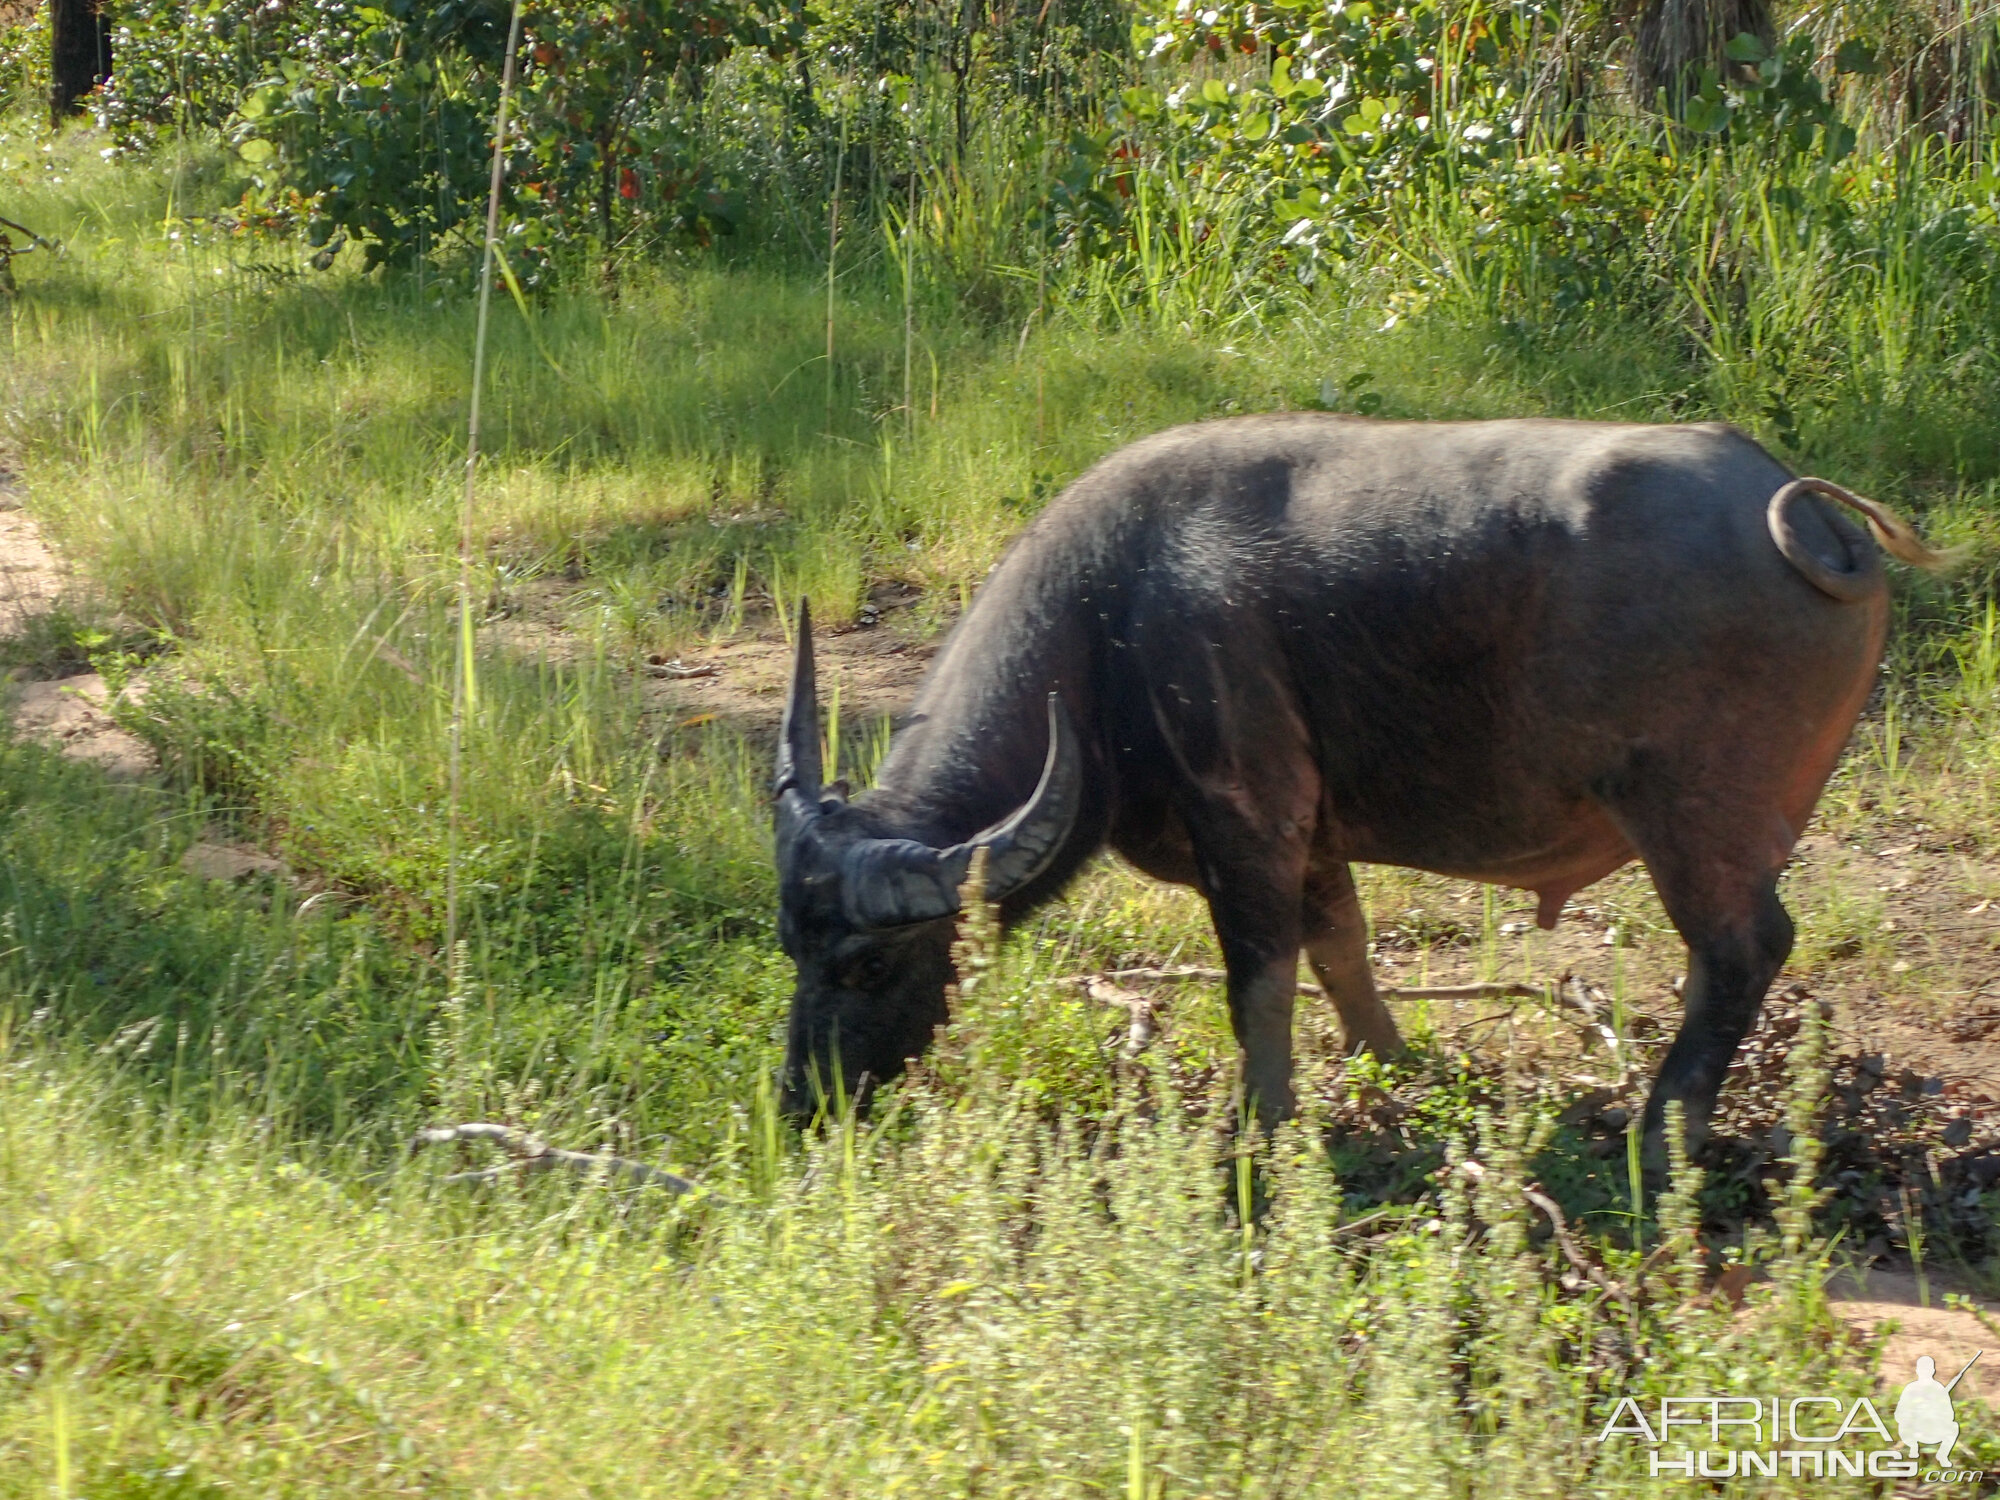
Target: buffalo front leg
1261	992
1336	941
1256	913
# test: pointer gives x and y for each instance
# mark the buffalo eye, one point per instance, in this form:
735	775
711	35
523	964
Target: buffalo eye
867	971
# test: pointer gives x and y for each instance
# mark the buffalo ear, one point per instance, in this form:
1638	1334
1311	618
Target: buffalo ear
895	882
887	883
798	743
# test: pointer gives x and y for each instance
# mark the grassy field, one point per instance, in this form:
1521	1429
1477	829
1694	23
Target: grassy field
219	1274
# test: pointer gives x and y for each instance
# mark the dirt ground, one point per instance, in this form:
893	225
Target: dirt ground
30	578
72	713
874	665
1944	1048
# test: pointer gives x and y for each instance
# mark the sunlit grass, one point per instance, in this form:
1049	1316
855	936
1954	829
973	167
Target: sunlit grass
201	1314
236	1284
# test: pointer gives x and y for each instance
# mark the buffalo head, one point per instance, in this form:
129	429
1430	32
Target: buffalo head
867	915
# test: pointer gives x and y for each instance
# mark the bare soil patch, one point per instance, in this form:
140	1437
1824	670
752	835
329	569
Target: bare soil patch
71	714
1871	1301
740	682
31	579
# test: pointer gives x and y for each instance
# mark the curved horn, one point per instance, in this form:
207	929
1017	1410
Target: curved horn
1021	847
797	787
895	882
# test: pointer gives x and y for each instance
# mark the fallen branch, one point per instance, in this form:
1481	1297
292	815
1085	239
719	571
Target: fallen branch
674	671
1401	992
1571	993
1145	1022
532	1154
1465	991
1504	1015
33	238
1568	1246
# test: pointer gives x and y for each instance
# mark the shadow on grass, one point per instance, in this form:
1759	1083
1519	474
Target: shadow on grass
1900	1168
195	986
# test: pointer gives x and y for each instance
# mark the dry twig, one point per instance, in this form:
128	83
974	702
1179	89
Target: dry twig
1401	992
674	671
532	1154
34	239
1568	1246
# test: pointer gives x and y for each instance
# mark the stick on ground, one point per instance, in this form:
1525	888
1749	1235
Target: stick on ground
532	1154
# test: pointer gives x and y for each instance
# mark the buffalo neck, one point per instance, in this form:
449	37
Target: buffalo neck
974	743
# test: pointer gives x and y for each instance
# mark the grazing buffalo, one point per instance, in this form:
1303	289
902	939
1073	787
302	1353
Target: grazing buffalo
1246	653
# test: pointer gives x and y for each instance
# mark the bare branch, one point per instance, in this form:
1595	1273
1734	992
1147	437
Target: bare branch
1569	1249
532	1154
1145	1021
1217	976
33	238
1467	991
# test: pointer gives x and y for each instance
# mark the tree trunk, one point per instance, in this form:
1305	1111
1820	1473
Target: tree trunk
79	54
1674	39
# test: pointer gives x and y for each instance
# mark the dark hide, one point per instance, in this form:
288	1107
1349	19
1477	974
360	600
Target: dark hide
1518	652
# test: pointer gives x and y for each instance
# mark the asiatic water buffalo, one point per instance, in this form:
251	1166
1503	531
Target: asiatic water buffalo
1246	653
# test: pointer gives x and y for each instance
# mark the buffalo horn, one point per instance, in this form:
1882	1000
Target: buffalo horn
798	784
895	882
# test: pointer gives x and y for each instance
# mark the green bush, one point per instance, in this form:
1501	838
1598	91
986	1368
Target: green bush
24	60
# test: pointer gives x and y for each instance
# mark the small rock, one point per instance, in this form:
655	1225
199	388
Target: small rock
225	862
1958	1132
1616	1118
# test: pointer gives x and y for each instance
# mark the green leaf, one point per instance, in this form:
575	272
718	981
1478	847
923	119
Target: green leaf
1705	115
1746	47
1215	91
1142	101
256	150
1856	56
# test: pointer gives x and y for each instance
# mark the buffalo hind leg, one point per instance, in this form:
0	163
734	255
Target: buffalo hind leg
1730	966
1336	942
1723	900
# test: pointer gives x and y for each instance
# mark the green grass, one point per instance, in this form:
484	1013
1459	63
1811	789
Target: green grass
204	1313
217	1272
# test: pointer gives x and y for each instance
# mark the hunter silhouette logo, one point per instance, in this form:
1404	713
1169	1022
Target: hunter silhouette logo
1822	1437
1923	1411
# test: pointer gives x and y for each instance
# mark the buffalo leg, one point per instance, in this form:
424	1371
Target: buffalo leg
1254	887
1336	941
1721	891
1730	966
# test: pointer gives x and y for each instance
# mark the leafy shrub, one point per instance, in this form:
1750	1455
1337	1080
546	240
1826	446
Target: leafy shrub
24	59
1773	98
1356	104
